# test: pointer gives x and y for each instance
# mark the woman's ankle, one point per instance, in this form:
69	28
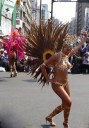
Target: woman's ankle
49	118
65	125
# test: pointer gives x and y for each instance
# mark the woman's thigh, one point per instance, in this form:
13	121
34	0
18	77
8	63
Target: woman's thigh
67	89
61	92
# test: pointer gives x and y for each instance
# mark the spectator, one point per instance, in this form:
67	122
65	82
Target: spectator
1	45
86	62
1	59
86	48
5	61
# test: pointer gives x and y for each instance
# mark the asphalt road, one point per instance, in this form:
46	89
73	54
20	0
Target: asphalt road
24	104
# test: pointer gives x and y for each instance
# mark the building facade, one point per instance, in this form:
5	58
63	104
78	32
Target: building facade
34	10
73	26
26	15
87	20
44	13
80	16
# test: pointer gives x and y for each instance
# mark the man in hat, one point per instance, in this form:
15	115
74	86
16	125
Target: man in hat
5	60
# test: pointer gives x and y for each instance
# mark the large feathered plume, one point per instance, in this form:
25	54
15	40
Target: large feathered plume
41	39
62	36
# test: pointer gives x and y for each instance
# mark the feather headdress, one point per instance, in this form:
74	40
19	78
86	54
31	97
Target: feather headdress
42	43
65	38
15	42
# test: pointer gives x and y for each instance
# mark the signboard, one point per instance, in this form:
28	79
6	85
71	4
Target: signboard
10	3
17	22
18	11
18	2
8	7
17	15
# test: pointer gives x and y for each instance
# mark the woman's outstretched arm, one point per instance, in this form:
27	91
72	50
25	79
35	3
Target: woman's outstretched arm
83	40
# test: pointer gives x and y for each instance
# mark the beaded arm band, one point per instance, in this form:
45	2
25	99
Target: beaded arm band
73	51
43	64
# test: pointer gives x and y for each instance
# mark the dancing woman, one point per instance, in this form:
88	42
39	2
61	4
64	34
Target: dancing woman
59	82
12	60
14	49
49	45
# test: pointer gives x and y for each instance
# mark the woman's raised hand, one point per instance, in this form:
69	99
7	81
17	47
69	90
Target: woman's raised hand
85	34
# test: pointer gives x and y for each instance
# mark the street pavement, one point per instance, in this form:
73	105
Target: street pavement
25	104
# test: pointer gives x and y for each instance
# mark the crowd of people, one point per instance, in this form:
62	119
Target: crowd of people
12	55
20	64
80	60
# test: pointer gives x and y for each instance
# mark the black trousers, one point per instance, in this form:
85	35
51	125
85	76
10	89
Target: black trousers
84	68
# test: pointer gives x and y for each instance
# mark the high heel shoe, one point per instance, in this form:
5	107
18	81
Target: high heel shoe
11	75
66	126
15	74
50	121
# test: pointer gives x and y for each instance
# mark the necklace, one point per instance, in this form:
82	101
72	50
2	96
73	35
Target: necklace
63	55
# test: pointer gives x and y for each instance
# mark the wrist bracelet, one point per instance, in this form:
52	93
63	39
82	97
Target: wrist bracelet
73	51
44	64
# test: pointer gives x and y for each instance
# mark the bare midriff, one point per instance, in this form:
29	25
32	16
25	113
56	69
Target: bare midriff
61	75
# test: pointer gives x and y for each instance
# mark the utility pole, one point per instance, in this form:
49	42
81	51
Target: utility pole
52	8
40	8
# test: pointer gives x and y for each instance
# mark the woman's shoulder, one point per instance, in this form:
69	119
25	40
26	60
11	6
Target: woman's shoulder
56	54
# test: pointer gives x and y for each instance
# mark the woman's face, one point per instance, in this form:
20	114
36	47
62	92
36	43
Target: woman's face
67	50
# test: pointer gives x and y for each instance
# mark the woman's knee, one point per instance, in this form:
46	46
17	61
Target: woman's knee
67	103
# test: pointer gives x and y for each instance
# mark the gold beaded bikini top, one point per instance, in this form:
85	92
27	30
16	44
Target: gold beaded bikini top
63	63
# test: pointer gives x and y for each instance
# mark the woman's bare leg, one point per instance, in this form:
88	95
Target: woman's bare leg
64	94
67	109
11	71
61	92
55	112
15	71
59	108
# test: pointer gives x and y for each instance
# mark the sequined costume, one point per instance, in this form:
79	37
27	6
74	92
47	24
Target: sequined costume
44	41
14	49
